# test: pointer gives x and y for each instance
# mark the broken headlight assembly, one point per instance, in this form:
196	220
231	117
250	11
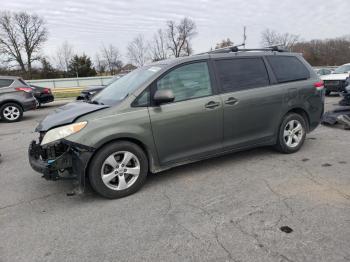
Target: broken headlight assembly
62	132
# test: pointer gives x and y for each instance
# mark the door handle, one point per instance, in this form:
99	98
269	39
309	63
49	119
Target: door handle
212	104
231	101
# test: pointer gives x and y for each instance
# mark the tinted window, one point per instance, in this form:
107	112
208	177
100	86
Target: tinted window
5	82
288	68
242	73
188	81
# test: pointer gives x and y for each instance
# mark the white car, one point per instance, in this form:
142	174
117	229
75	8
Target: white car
335	82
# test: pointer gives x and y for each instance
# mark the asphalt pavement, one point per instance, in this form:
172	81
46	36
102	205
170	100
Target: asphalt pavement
257	205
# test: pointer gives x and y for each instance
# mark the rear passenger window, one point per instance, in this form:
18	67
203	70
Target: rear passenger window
241	73
288	68
5	82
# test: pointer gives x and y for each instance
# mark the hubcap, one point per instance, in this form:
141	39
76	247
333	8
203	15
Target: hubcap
11	113
120	170
293	133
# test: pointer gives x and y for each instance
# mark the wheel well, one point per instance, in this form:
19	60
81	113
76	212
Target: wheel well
132	140
303	113
11	101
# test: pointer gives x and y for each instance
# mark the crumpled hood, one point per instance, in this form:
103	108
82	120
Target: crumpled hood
67	114
335	77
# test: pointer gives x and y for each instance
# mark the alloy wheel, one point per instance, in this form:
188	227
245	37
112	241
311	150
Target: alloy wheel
11	113
293	133
120	170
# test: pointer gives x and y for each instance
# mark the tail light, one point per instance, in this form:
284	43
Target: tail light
319	85
47	91
24	89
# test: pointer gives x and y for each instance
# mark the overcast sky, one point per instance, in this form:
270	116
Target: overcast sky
87	24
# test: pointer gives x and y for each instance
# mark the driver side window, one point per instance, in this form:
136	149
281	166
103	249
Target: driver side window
187	82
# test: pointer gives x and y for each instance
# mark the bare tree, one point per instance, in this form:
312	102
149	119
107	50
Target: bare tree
100	63
180	35
224	43
159	46
138	51
325	52
21	36
112	57
64	55
271	37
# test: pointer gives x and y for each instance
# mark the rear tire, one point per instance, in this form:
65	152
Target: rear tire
118	169
291	134
11	112
328	92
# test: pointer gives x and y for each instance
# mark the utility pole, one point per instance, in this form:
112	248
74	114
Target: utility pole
244	35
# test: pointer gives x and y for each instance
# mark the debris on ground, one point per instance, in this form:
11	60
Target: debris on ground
340	115
286	229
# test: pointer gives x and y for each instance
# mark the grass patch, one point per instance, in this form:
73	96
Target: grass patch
59	95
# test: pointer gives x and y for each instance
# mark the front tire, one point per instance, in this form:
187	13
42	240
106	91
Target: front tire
292	133
11	112
118	169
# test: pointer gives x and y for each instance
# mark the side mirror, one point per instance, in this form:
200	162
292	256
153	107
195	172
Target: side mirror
163	96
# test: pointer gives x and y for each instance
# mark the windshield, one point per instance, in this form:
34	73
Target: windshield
342	69
118	90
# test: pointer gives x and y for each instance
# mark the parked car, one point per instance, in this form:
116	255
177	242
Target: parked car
42	94
15	98
179	111
92	90
335	82
323	71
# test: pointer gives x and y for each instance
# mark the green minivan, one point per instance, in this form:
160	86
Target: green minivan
179	111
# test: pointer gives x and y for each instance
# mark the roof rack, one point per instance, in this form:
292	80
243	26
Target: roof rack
235	49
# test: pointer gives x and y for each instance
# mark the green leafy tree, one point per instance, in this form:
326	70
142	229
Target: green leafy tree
81	66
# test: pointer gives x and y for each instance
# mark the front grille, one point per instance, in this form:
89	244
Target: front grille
54	151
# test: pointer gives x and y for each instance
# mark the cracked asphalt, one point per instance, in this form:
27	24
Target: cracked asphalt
230	208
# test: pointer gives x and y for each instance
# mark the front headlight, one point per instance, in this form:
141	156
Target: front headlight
62	132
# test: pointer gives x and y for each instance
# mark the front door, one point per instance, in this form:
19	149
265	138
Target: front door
190	127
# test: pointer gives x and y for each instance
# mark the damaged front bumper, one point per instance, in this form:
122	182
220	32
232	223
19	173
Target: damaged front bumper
61	160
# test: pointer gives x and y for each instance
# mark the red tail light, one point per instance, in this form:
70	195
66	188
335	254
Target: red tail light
47	91
319	85
25	89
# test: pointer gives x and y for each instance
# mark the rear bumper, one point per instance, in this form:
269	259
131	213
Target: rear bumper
46	98
70	163
334	85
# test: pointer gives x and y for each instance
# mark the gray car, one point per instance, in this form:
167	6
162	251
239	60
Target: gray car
179	111
16	96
